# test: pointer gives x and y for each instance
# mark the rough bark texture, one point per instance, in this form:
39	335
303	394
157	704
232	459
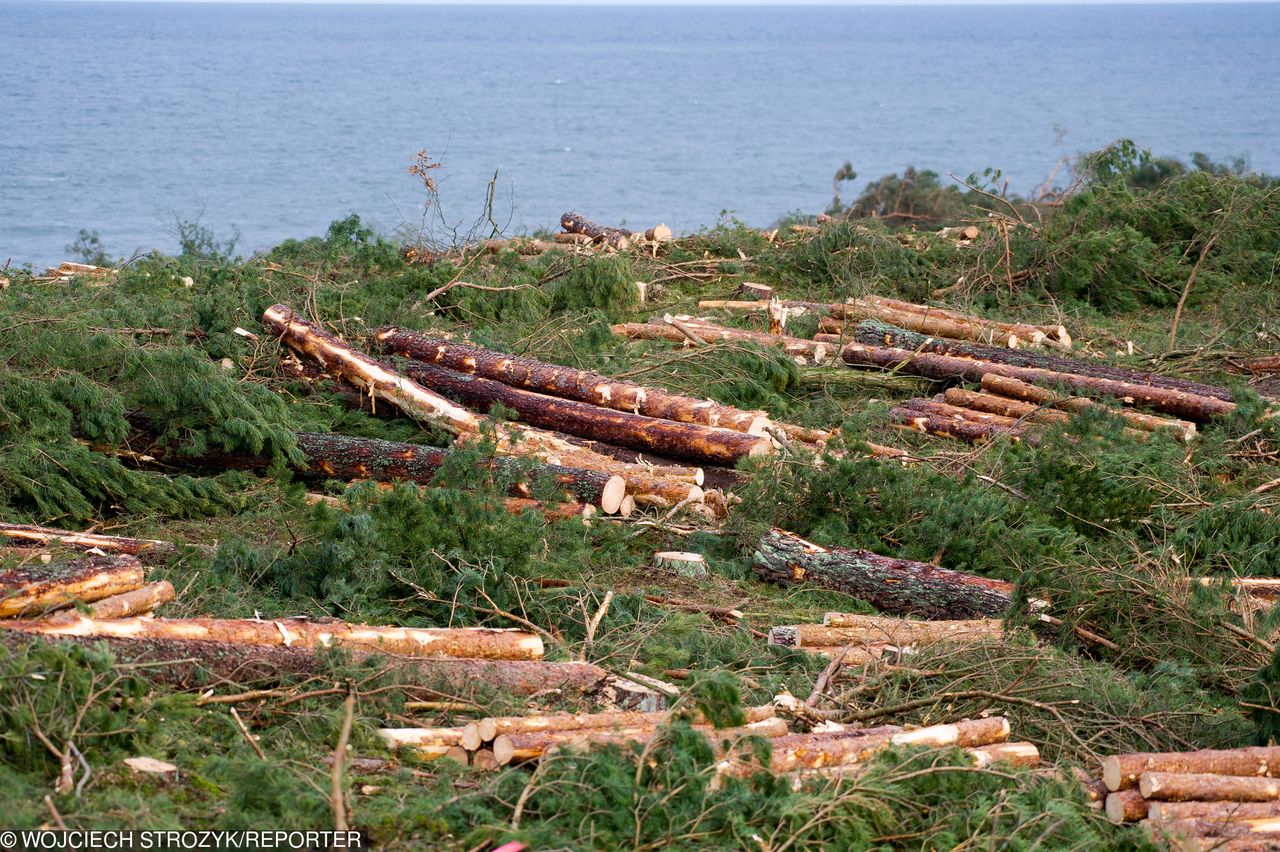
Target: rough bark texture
939	407
194	663
374	378
1121	771
37	587
1229	835
900	631
816	352
1126	806
576	223
1205	787
468	642
1027	334
1015	408
690	441
1029	393
898	586
568	383
874	333
1178	403
1172	811
948	427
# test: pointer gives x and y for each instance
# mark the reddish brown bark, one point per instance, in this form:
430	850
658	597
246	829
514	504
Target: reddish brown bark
1122	771
36	587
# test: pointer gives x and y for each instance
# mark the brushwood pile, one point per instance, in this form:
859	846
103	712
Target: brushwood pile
945	518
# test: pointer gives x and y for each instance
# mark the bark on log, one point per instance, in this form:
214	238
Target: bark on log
815	352
1004	406
1010	334
898	586
1122	771
374	378
938	408
1159	812
137	602
948	427
465	642
568	383
850	627
576	223
1015	754
1206	787
43	536
690	441
1206	833
879	334
1022	391
844	748
523	747
484	731
187	664
1187	406
1126	806
35	588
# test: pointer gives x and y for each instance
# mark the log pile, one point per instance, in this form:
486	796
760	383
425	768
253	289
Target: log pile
617	238
63	273
692	331
925	319
1207	799
859	639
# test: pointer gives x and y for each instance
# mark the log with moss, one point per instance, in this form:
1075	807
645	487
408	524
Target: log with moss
1177	403
1122	771
35	587
568	383
688	441
898	586
874	333
469	642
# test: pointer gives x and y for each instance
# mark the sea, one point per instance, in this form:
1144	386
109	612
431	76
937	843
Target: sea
270	121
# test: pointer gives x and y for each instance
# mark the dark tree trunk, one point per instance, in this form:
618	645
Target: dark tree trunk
896	586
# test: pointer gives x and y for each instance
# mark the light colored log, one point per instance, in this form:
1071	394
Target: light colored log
1126	806
1122	771
467	642
137	602
484	761
484	731
840	628
752	291
418	737
35	588
1023	755
1207	787
45	536
1205	833
817	353
521	747
1159	812
1004	406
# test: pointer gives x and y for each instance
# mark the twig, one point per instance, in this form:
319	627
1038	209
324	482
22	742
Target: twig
595	621
57	817
248	736
340	763
1186	290
684	329
1266	486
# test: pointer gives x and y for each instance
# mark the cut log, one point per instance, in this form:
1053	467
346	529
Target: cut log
137	602
690	441
1232	835
1178	403
1126	806
36	588
522	747
844	748
417	737
1015	754
1159	812
948	427
1004	406
1122	771
880	334
848	629
681	564
484	761
374	378
938	408
576	223
568	383
21	534
1207	787
853	655
898	586
1029	393
752	291
188	664
484	731
929	319
817	353
469	642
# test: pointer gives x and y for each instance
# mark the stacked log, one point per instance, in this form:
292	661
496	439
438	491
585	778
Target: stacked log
1200	798
35	536
947	367
619	238
897	586
31	589
663	329
866	637
1010	388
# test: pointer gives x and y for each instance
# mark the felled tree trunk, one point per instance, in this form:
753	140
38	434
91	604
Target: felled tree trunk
42	536
689	441
467	642
898	586
964	326
849	629
948	427
1205	787
34	588
1026	392
939	408
874	333
1126	806
796	347
1014	408
1172	811
1122	771
522	747
486	730
137	602
1014	754
568	383
192	663
576	223
1178	403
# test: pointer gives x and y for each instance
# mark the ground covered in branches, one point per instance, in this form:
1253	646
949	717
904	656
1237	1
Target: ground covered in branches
1102	526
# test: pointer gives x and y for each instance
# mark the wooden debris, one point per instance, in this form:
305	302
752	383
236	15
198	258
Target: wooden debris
971	431
1029	393
1014	754
150	766
753	292
44	536
568	383
1202	787
840	628
891	585
1122	771
817	353
680	563
34	588
468	642
476	734
1126	806
1175	811
137	602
